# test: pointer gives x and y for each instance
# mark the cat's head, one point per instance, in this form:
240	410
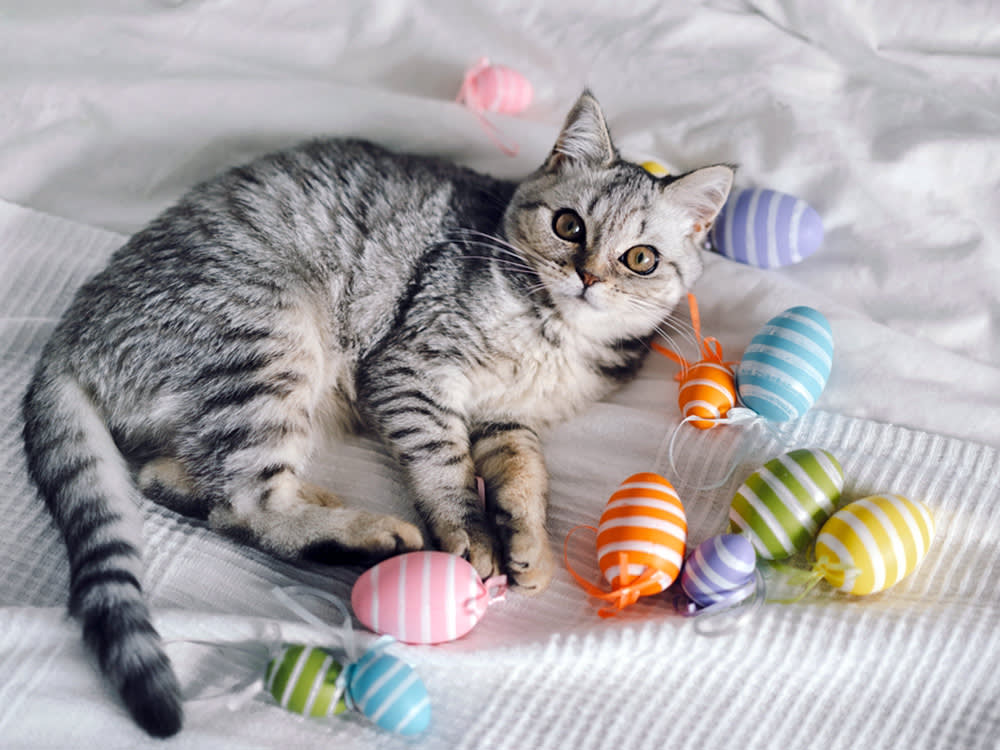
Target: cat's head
615	247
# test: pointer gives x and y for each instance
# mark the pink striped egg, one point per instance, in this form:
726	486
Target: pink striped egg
495	88
424	597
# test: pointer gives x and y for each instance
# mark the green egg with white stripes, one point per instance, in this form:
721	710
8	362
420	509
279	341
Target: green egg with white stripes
781	506
304	679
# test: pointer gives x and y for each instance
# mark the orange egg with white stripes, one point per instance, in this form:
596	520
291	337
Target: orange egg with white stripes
706	389
873	543
641	535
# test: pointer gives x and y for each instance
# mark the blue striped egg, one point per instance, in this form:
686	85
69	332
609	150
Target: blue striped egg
767	229
787	364
719	569
389	692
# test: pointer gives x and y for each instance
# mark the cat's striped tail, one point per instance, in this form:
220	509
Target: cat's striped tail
87	487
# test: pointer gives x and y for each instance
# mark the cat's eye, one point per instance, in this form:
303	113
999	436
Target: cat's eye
641	259
568	225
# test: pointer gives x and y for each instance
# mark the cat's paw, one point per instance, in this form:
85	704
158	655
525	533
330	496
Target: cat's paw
530	562
392	536
473	543
366	539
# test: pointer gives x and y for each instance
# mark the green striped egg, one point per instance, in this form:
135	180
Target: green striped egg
782	505
303	679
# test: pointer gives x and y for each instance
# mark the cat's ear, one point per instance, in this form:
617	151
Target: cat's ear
584	139
701	194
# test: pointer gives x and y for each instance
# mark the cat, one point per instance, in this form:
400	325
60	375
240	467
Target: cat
338	285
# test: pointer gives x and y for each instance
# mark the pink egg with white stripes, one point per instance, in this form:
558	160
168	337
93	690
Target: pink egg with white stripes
767	229
424	597
488	87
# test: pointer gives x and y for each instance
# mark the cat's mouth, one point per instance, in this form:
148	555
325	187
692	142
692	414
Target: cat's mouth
589	297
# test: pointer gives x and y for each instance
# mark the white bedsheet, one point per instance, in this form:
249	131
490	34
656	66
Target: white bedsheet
883	116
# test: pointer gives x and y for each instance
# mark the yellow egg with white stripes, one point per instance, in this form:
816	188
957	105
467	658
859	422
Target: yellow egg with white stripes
873	543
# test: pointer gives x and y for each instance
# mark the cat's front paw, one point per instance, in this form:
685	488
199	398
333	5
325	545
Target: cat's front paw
472	543
530	562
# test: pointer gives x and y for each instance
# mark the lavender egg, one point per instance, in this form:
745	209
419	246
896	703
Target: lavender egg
719	569
767	229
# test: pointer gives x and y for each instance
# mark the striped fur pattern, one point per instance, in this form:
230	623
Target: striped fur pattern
338	284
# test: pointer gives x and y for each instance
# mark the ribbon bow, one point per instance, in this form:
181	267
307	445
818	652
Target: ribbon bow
711	347
629	589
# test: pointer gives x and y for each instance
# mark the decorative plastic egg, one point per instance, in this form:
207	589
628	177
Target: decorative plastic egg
873	543
389	692
706	389
642	533
787	364
719	570
303	679
655	168
488	87
767	229
424	597
781	506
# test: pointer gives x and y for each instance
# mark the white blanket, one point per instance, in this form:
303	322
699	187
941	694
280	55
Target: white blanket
883	116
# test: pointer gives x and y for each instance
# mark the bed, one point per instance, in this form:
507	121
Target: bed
883	116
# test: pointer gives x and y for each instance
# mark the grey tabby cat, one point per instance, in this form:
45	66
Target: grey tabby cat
339	284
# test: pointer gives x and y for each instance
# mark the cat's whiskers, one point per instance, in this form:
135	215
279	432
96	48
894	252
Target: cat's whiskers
501	253
504	246
507	265
669	328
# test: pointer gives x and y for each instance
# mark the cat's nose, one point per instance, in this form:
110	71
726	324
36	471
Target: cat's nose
587	277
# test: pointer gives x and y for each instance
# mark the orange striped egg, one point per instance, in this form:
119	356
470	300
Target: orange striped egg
707	389
641	535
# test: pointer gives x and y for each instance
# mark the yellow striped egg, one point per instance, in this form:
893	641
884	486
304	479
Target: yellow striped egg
782	505
873	543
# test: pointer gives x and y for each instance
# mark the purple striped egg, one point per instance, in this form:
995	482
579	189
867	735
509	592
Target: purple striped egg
767	229
719	569
424	597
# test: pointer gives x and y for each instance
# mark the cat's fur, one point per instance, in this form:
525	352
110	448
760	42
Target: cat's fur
340	283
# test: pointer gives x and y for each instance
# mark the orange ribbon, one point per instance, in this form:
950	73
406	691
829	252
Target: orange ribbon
621	597
711	347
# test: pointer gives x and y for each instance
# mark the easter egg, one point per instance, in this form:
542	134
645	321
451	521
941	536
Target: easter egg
655	168
786	366
767	229
643	527
707	390
424	597
781	506
873	543
720	568
303	679
389	692
495	88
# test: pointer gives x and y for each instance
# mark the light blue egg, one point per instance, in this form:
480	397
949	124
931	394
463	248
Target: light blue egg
786	365
719	569
767	229
389	692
